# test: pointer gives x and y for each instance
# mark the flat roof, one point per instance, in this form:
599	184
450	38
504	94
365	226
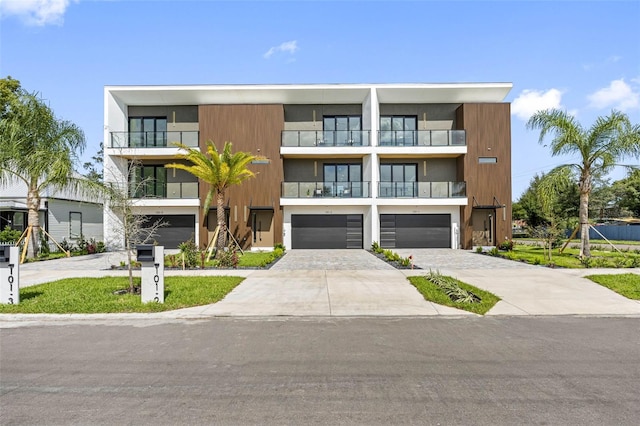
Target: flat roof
309	93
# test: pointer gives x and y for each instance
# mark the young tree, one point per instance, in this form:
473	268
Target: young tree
220	170
601	147
40	150
134	228
548	192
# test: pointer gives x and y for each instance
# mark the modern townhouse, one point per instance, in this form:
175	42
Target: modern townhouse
404	165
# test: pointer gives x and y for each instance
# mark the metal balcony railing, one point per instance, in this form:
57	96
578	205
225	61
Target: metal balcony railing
153	139
312	138
163	190
422	189
422	138
326	190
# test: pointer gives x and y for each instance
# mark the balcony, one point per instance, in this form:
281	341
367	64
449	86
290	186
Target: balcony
328	138
422	189
326	190
153	139
172	190
422	138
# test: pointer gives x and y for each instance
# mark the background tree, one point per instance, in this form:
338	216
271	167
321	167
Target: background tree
39	150
601	147
627	193
220	170
565	203
94	167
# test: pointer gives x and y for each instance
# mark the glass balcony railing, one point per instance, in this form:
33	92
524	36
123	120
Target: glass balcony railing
422	138
153	139
311	138
164	190
325	190
422	189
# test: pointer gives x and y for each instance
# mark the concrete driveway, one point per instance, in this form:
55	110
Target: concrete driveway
326	283
527	289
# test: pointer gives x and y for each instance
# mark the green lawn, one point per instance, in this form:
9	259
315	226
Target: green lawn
250	259
627	285
569	257
95	295
433	293
592	241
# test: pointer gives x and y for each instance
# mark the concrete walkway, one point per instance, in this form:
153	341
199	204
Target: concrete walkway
356	283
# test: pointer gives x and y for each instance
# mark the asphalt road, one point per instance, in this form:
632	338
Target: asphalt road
471	371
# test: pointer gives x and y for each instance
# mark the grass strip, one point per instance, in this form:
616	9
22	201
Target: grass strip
627	285
95	295
435	294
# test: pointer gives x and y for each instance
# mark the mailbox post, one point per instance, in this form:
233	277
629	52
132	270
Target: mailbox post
9	274
152	260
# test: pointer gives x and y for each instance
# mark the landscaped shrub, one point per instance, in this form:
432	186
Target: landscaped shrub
479	249
494	251
9	235
506	245
451	288
189	253
229	258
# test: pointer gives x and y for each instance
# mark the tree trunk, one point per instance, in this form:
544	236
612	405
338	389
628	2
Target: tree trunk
127	245
222	224
585	187
33	204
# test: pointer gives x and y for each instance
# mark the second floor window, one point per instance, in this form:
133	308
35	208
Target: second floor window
398	130
149	181
147	131
398	180
342	130
343	180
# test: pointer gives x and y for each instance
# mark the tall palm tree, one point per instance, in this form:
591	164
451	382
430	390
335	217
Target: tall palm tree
601	147
41	151
220	170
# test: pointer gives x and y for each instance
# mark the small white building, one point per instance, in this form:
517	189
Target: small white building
64	215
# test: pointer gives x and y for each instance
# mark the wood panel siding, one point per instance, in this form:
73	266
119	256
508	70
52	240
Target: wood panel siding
251	128
488	130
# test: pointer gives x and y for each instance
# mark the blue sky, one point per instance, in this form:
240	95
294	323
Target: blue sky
583	57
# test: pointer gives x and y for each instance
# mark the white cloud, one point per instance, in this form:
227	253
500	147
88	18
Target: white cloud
531	101
288	47
618	95
36	12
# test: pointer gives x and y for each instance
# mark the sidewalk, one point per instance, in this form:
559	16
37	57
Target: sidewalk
354	283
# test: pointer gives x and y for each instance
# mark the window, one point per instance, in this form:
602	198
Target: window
398	130
343	180
487	160
398	180
342	130
149	181
75	225
147	131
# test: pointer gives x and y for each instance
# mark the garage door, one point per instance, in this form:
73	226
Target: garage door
415	230
179	228
321	231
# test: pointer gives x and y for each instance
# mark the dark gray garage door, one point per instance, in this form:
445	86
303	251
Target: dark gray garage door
324	231
180	228
415	230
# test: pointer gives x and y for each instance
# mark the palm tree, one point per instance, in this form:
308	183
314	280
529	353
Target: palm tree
601	147
220	171
41	151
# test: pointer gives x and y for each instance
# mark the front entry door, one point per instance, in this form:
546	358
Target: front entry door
483	227
262	228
